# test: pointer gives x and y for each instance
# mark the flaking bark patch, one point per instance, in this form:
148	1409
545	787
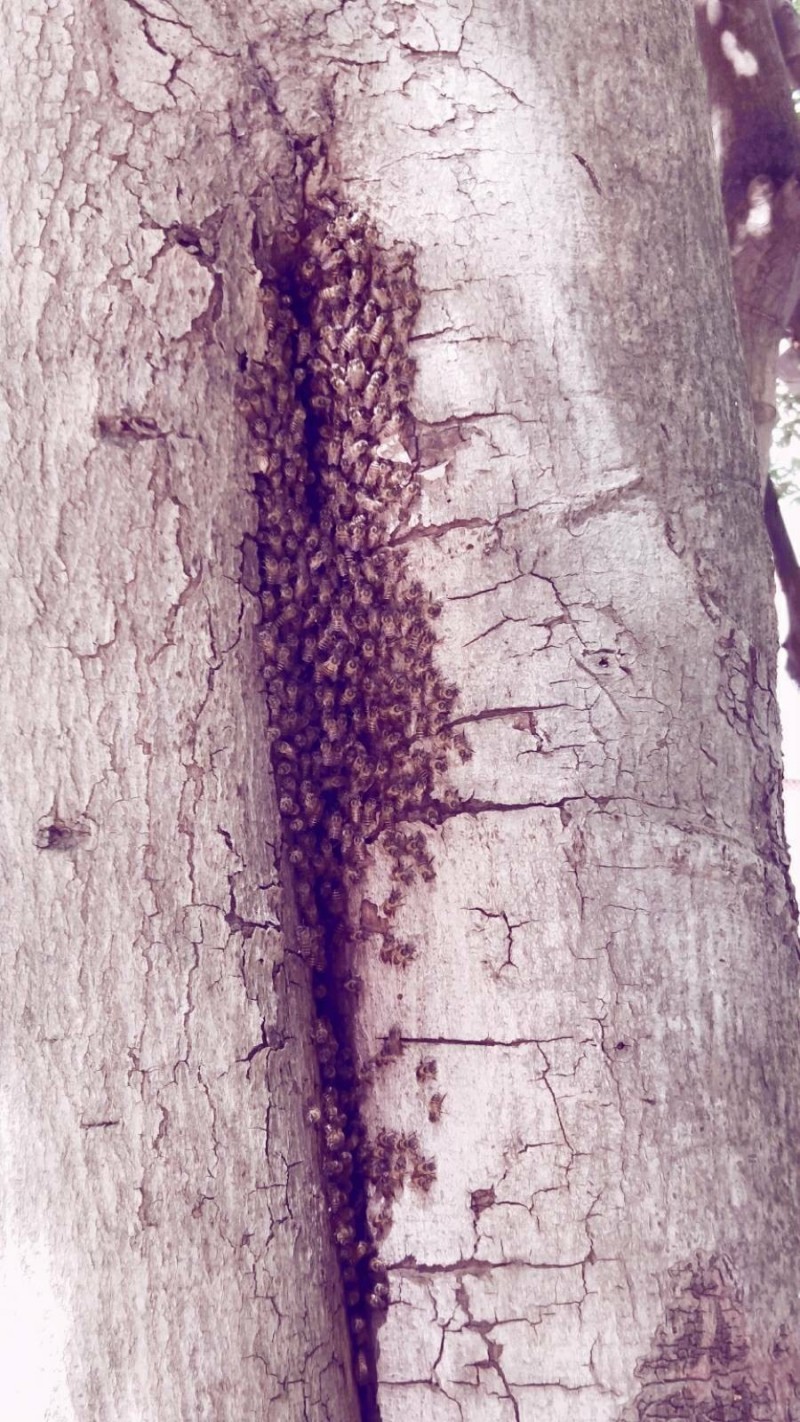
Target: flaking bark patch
699	1368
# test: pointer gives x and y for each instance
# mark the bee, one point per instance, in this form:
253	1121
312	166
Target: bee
259	429
308	270
328	347
285	750
268	642
363	593
374	475
381	416
358	530
312	807
435	1106
385	351
352	339
298	423
392	1044
376	329
330	1105
302	581
327	640
352	450
325	592
334	727
336	1198
398	954
332	258
423	1174
353	247
372	390
302	889
392	902
333	295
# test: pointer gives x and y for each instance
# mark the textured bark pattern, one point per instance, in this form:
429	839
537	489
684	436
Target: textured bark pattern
163	1238
700	1368
597	1039
604	975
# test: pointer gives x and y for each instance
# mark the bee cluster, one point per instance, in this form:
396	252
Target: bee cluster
395	1157
360	712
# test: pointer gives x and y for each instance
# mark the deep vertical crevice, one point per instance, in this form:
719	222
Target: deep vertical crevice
359	713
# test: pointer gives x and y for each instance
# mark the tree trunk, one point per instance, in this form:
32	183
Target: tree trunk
578	1044
165	1248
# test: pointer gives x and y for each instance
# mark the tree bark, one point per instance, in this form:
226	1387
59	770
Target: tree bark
595	1040
165	1247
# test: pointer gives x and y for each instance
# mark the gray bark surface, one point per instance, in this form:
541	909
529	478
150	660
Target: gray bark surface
165	1248
606	976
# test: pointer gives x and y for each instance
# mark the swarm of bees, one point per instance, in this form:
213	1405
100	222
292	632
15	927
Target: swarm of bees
360	712
392	1159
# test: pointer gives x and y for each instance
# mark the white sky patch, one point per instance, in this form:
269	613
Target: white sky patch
33	1332
742	61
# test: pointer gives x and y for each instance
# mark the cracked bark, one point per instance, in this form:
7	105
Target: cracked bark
164	1245
604	995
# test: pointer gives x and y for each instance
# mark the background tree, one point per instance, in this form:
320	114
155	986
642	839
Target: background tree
752	58
506	987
